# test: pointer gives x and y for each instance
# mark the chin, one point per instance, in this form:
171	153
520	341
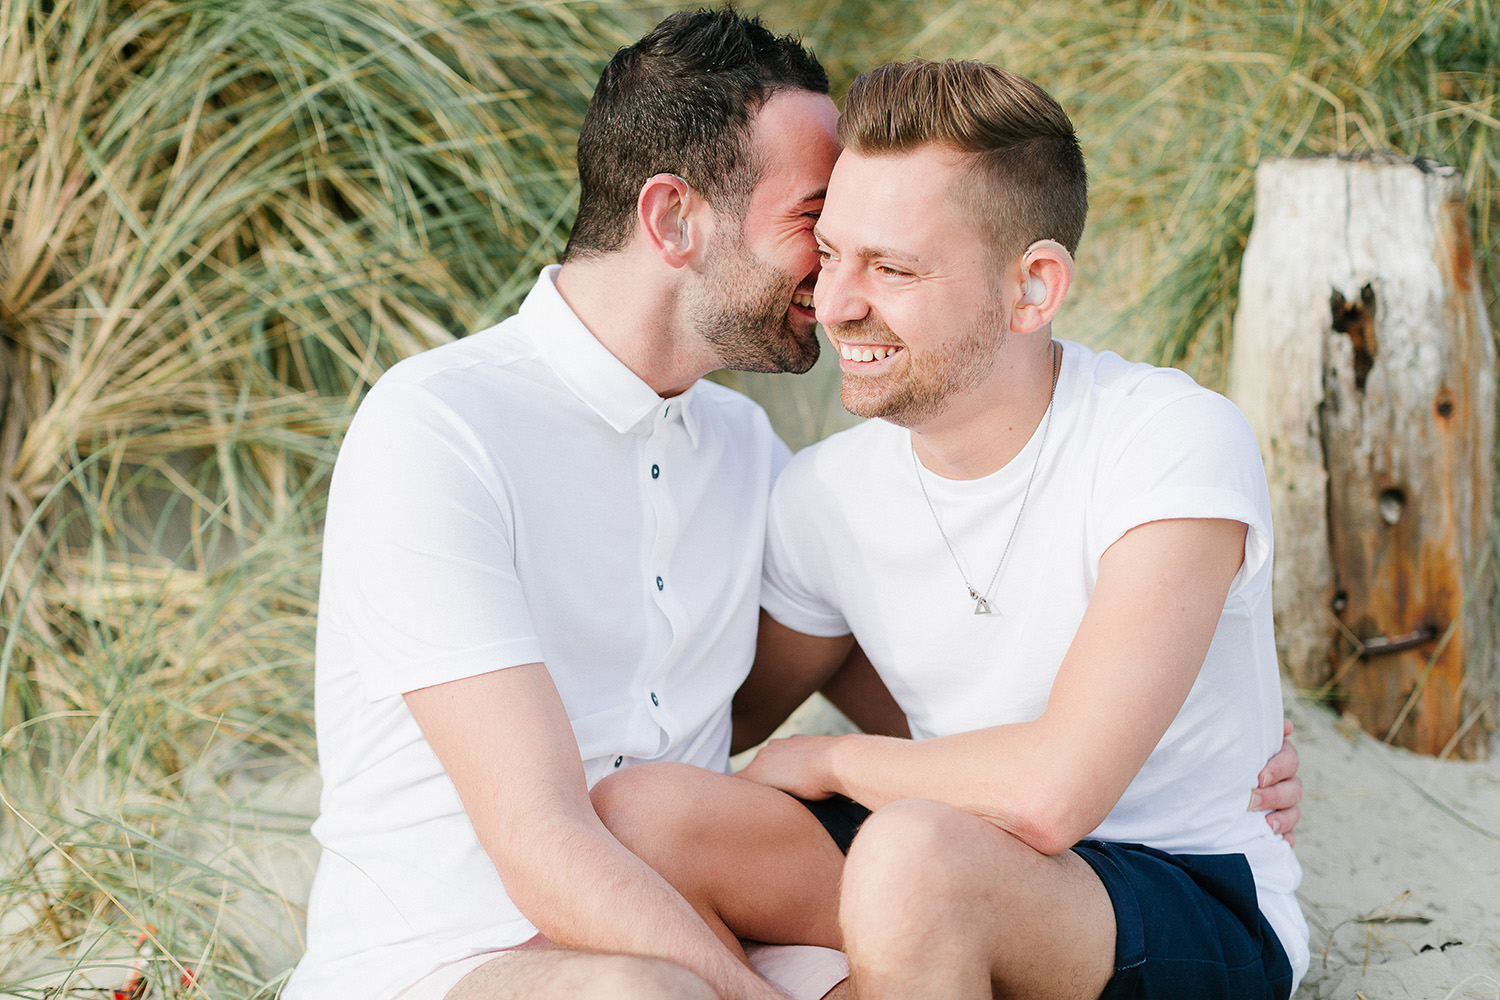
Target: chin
802	350
903	411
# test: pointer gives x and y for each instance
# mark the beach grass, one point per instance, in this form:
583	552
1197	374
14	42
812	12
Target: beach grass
220	220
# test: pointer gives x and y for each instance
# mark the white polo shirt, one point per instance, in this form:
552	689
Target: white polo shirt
516	496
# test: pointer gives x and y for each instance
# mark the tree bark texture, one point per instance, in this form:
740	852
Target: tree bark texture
1365	362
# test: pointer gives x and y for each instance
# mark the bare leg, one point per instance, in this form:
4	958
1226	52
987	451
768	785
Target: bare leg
752	860
940	904
560	974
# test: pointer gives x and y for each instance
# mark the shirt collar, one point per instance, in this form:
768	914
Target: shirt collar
586	367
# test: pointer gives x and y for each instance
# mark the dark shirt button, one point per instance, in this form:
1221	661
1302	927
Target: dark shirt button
655	472
619	761
659	584
654	701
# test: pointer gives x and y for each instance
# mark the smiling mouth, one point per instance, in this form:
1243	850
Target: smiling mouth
866	352
803	299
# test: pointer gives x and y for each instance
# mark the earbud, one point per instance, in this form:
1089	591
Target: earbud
1034	292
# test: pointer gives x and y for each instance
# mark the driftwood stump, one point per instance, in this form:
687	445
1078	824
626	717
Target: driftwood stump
1363	358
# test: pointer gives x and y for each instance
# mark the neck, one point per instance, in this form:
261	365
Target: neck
634	312
979	432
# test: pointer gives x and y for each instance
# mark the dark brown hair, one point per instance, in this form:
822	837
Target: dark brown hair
680	101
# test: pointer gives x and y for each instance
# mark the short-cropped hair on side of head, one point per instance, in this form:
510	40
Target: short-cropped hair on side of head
681	101
1027	181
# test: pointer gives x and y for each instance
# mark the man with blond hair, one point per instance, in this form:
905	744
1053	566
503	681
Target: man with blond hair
1057	560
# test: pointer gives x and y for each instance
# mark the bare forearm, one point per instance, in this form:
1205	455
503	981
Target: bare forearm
1033	797
583	889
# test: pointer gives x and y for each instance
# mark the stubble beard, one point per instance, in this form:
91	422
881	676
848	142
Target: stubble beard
744	307
926	382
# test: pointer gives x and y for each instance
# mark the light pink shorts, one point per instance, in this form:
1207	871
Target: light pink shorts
802	972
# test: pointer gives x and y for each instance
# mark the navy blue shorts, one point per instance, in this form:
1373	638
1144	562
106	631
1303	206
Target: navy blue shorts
1187	926
839	816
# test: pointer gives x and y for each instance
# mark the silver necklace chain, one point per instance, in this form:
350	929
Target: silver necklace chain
982	600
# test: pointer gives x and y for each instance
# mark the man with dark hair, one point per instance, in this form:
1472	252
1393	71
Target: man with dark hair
542	558
1058	561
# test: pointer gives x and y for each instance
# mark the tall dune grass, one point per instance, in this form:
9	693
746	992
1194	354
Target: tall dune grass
221	219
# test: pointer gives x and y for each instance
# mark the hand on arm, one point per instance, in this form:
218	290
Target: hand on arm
505	741
1050	781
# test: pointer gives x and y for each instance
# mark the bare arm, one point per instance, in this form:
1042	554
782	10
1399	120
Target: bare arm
1050	781
857	691
505	741
789	666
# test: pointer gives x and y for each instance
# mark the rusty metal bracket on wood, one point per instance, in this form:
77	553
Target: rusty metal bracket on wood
1383	645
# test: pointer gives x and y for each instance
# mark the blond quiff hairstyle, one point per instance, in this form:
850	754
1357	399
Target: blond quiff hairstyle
1027	181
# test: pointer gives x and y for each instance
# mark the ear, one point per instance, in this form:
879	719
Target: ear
1044	275
665	212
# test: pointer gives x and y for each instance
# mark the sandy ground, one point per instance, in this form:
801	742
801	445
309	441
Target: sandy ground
1401	856
1401	863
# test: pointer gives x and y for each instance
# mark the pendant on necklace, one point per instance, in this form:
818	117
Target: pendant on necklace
981	605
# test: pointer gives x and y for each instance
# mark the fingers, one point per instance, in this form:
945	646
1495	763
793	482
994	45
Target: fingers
1284	822
1280	797
1280	767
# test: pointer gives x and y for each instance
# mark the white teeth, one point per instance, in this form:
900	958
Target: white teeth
866	353
804	300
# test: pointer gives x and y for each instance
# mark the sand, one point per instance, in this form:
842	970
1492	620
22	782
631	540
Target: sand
1401	868
1401	856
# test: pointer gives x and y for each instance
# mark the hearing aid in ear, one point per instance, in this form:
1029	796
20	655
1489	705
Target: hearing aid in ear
1034	292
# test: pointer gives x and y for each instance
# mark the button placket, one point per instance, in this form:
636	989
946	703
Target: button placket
664	440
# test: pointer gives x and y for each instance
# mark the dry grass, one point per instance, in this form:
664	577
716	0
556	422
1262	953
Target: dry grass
219	221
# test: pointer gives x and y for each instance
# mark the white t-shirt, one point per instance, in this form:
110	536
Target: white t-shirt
514	497
852	547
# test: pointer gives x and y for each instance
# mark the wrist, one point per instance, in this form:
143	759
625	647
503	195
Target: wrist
838	764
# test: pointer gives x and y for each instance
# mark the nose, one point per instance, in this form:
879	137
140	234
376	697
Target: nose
837	299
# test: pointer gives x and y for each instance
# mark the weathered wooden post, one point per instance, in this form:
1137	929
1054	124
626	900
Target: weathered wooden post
1364	360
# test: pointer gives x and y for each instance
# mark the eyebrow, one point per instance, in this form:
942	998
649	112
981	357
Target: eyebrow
866	252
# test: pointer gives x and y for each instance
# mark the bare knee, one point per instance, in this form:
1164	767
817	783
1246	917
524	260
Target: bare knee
908	847
649	808
553	974
633	977
910	875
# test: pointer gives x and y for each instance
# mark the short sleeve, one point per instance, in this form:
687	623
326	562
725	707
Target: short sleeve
419	579
794	580
1193	457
